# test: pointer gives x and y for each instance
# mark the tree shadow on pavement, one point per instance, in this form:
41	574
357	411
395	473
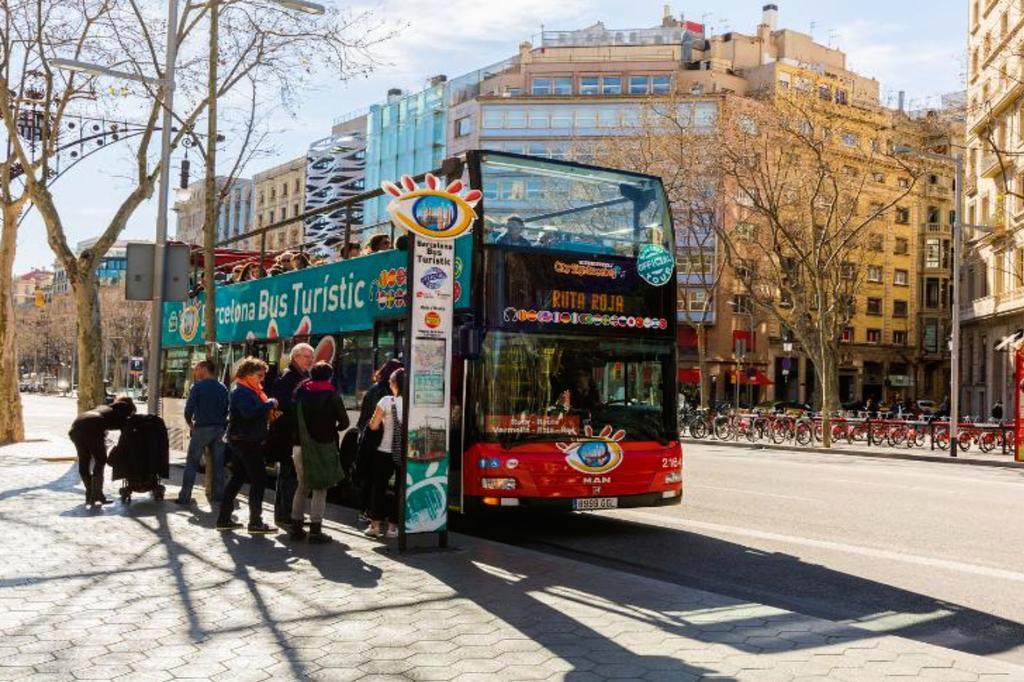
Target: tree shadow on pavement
776	579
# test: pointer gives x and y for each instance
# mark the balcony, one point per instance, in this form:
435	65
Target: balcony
937	228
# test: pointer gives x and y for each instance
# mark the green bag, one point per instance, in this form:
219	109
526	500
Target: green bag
321	467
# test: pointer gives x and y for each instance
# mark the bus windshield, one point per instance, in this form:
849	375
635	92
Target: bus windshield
552	387
538	204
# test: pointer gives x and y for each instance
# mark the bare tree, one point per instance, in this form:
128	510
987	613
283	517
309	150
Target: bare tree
810	213
257	43
671	140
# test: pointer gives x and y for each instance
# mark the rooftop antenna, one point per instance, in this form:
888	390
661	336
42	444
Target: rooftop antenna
833	36
704	19
814	25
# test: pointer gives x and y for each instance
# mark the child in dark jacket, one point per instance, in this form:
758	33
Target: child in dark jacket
249	413
321	416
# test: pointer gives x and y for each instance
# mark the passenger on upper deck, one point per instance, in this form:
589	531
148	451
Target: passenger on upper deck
378	242
351	250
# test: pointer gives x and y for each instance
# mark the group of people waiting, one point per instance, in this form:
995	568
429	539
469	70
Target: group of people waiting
295	425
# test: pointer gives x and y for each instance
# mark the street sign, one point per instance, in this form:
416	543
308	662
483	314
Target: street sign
138	281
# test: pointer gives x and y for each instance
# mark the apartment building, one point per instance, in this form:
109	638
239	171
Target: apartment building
992	274
234	217
562	96
280	193
335	171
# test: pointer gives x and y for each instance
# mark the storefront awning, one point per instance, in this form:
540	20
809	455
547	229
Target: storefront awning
755	377
689	376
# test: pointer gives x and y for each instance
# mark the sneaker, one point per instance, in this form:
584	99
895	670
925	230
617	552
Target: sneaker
261	529
363	518
229	525
372	532
182	503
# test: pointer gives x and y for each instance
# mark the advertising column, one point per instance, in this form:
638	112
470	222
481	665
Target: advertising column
434	217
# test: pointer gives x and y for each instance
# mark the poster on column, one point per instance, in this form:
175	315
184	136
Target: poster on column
434	216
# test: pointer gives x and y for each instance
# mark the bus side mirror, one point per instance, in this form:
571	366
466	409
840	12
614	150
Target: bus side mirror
467	343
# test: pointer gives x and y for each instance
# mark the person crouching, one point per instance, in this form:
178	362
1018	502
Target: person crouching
89	434
320	416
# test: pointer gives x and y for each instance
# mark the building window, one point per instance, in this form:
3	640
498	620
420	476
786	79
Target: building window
540	86
902	216
874	336
901	278
284	189
841	97
847	270
295	210
931	293
270	216
590	85
745	230
874	273
904	183
825	93
850	139
463	126
899	308
932	253
638	85
561	86
899	338
847	336
902	247
876	242
611	85
741	304
878	177
874	306
298	185
696	298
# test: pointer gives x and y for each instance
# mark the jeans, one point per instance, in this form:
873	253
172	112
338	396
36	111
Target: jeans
284	489
318	502
203	437
246	467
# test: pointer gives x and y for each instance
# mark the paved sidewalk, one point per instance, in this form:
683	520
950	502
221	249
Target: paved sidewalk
151	592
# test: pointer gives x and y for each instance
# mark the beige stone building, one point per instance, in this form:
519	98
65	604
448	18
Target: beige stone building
280	194
235	211
992	275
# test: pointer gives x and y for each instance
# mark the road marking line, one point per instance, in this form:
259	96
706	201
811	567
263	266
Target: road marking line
958	566
752	492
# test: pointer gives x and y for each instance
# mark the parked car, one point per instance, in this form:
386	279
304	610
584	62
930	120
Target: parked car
782	407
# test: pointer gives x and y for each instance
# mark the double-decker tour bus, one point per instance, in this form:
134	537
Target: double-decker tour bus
563	380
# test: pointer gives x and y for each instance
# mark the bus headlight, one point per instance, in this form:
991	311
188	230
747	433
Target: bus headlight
498	483
674	477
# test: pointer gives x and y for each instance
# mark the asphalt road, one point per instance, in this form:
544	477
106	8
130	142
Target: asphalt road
930	551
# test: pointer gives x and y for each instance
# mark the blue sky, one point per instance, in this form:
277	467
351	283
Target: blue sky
911	45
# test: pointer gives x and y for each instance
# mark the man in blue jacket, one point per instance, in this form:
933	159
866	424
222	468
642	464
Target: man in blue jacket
206	412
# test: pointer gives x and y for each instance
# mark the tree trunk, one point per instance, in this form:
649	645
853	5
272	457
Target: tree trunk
89	340
827	369
12	425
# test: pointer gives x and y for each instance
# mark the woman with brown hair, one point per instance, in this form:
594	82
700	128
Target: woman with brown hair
249	413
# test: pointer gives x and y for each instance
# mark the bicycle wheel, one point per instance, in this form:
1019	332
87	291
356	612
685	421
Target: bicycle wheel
723	428
698	428
987	442
804	433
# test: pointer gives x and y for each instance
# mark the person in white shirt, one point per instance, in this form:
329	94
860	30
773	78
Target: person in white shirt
388	416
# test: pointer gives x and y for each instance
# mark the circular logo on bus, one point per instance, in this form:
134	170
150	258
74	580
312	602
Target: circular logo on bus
655	265
432	319
594	454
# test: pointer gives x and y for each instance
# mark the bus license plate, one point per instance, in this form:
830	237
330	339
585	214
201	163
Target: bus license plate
592	503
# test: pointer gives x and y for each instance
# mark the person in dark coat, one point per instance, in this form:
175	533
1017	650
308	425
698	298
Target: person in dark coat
284	433
997	412
369	440
321	415
249	412
89	434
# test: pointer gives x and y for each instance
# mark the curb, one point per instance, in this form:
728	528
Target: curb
1009	464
